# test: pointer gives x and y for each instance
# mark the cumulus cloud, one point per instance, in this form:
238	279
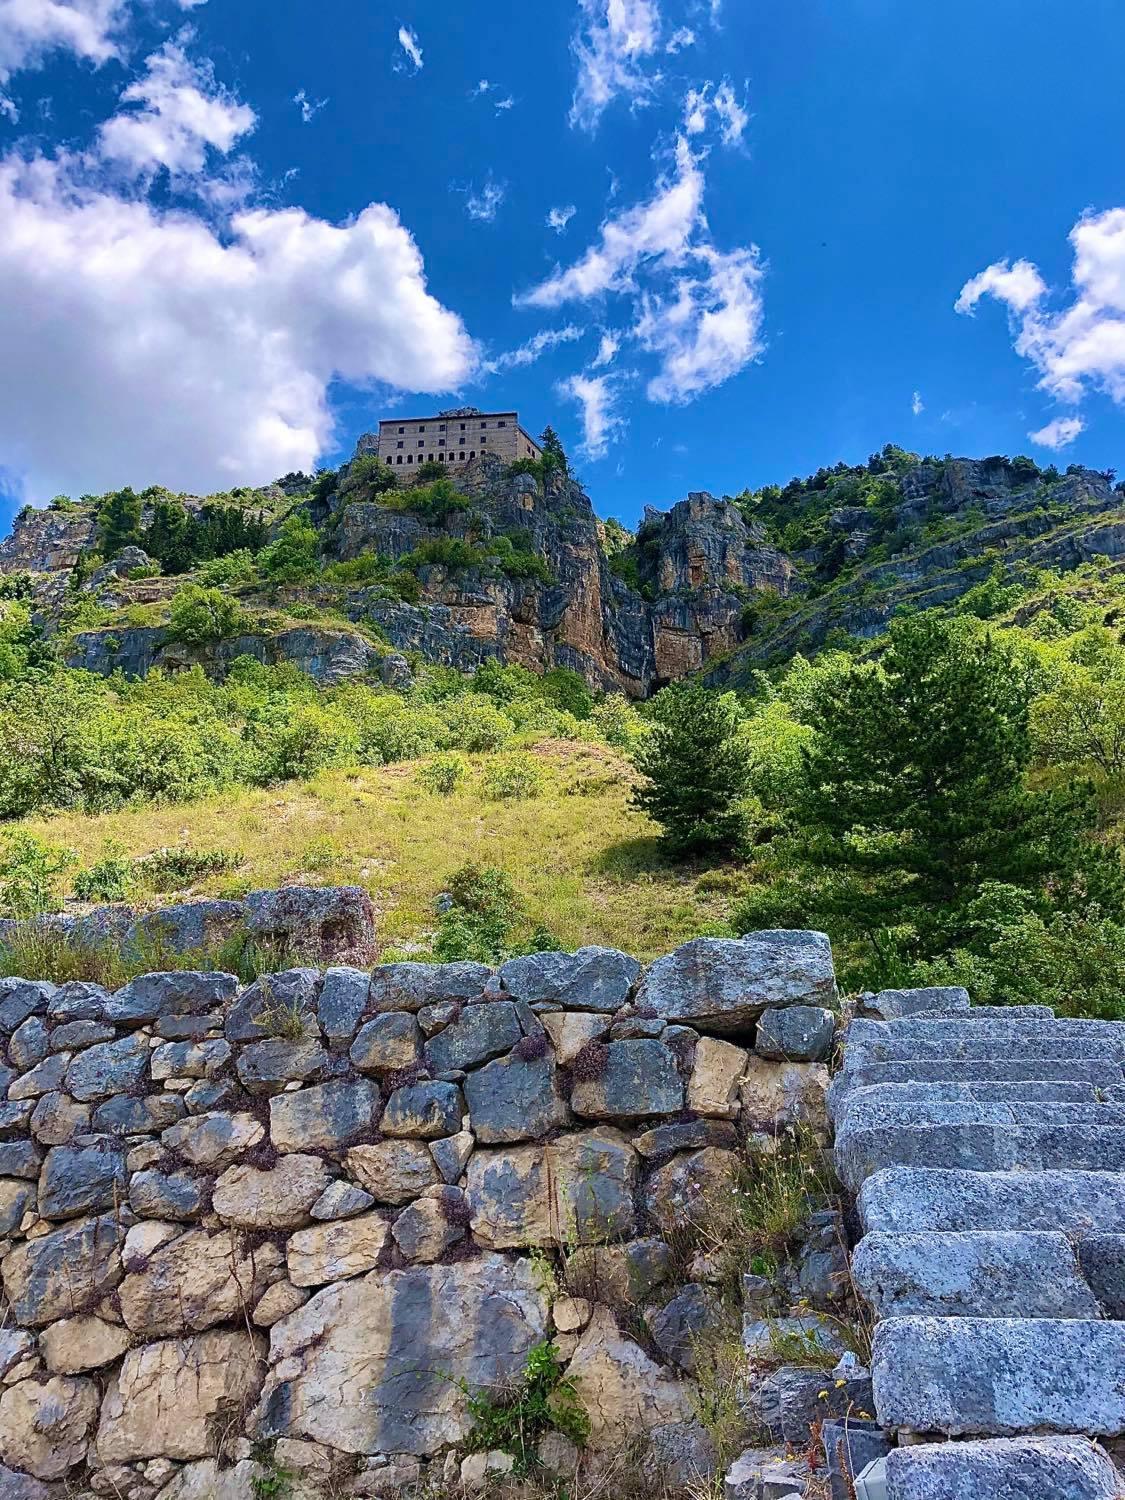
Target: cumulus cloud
139	343
412	50
182	112
731	117
917	405
482	203
533	350
30	30
708	330
1058	434
308	107
601	419
614	40
1082	346
559	218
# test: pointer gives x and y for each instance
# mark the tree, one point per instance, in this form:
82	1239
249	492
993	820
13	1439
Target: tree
291	556
554	459
913	791
696	769
199	615
119	522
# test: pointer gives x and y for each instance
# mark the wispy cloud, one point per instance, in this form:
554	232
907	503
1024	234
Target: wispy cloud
308	107
601	418
559	218
612	45
482	203
917	405
533	349
412	50
731	117
8	108
608	348
486	88
1058	434
681	38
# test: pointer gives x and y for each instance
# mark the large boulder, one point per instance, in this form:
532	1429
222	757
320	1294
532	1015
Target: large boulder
278	1197
514	1100
327	1117
111	1068
84	1177
481	1032
723	985
636	1077
47	1278
196	1281
598	979
380	1365
624	1393
337	1250
188	927
45	1428
177	992
325	925
1067	1468
410	986
578	1189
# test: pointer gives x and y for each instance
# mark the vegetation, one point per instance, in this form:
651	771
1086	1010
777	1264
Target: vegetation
199	615
542	1400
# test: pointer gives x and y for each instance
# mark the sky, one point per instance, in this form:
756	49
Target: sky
715	243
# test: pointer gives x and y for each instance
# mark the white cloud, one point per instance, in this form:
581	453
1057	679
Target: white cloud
482	203
141	345
613	42
559	218
1058	434
917	405
505	103
308	107
483	87
183	112
30	30
8	108
731	117
533	349
656	230
601	419
709	330
408	41
681	38
607	350
1082	347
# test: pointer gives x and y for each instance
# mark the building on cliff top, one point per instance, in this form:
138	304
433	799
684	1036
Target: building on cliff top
451	437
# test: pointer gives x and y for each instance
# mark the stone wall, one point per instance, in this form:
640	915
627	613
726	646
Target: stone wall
312	1213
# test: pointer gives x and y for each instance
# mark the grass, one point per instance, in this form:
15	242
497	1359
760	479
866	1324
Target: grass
587	867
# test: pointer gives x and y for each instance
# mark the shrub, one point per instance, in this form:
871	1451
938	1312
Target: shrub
484	920
292	555
173	869
368	472
110	878
224	572
30	874
443	775
512	778
199	615
513	1420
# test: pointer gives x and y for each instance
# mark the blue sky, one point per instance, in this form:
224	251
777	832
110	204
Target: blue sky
784	233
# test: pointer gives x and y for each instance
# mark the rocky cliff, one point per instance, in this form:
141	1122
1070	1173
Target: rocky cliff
525	572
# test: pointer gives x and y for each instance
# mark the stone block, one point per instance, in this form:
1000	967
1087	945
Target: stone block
680	1192
1040	1091
860	1153
45	1428
342	1002
717	1070
1038	1468
892	1005
570	1030
424	1111
176	993
638	1078
329	924
336	1251
82	1178
512	1100
190	1059
278	1197
74	1345
481	1032
1102	1258
429	1226
904	1201
723	985
595	979
266	1067
888	1041
624	1392
144	1116
777	1095
393	1171
325	1117
796	1033
168	1195
579	1189
111	1068
409	986
849	1446
49	1277
387	1043
213	1140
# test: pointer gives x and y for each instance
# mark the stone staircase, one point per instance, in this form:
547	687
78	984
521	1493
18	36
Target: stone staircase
986	1150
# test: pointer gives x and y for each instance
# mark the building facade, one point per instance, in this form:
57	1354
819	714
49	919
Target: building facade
454	438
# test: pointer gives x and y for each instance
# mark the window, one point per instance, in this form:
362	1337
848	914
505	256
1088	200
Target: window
410	458
461	455
402	429
473	454
483	425
441	442
422	427
390	460
462	426
501	424
441	426
484	440
398	445
421	442
399	459
430	458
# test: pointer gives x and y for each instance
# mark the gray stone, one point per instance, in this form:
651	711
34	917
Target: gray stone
144	1116
686	1135
29	1043
191	1059
75	1035
1102	1258
266	1067
287	994
794	1398
58	1274
513	1100
186	927
991	1274
1099	1073
411	1341
111	1068
427	1228
15	1486
639	1078
212	1096
679	1454
17	1346
1031	1468
795	1033
908	1201
213	1140
1039	1091
875	1109
342	1001
433	1017
45	1078
168	1195
393	1171
84	1177
677	1325
890	1041
341	1200
598	979
16	1197
621	1276
451	1154
78	1001
278	1197
173	992
20	1159
724	985
57	1119
329	924
189	1028
327	1117
409	986
849	1446
891	1005
578	1189
482	1032
14	1117
20	998
806	1336
388	1042
679	1194
424	1111
1000	1376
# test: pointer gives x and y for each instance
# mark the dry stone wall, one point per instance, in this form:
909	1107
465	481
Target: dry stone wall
311	1212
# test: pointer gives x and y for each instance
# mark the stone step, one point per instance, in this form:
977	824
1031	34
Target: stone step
991	1013
1037	1091
890	1005
1033	1468
872	1109
999	1377
991	1274
885	1041
905	1200
1099	1072
861	1152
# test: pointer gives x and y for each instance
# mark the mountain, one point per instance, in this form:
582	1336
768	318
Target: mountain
511	563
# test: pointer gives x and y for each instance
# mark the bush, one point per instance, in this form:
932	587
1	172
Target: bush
292	556
484	921
111	878
173	869
30	874
225	572
443	775
368	472
512	778
200	615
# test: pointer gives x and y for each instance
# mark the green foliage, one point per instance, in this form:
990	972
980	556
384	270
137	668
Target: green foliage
229	571
198	615
443	774
113	877
444	552
695	769
369	474
119	522
181	540
991	598
481	919
432	469
512	778
618	722
435	502
31	871
292	556
554	454
542	1400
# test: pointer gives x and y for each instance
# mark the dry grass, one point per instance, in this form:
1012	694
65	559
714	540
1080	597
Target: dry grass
587	867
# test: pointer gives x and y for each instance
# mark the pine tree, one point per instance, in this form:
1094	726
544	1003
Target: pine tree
695	768
554	459
119	522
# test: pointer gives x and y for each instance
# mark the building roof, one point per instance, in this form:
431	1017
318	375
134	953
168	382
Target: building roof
433	416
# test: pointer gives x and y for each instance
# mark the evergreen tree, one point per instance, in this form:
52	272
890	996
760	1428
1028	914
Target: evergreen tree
695	768
119	522
554	459
913	791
